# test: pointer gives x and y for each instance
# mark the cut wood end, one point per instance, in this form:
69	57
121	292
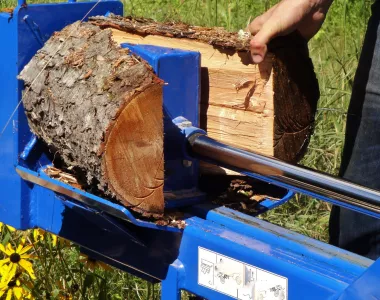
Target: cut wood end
100	109
133	158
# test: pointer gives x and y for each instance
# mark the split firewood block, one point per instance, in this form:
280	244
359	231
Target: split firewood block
268	108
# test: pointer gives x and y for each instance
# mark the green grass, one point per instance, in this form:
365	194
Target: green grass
334	50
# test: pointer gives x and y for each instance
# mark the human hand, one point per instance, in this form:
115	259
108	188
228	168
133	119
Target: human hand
305	16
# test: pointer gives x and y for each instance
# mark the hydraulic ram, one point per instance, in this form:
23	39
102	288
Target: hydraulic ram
292	177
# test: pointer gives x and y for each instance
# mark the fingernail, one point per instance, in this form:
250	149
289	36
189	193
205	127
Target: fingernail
257	58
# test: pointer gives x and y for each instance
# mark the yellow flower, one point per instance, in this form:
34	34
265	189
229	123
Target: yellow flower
54	239
92	264
10	228
14	288
59	240
16	258
38	235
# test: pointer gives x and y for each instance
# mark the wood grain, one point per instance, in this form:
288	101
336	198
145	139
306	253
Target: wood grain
238	106
134	158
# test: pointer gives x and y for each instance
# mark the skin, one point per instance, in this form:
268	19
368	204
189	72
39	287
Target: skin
306	16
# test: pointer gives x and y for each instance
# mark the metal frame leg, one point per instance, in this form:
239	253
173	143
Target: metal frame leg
169	286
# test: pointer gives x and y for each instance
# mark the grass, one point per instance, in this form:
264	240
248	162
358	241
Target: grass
334	50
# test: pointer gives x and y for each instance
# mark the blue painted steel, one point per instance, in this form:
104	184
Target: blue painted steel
181	98
28	148
19	45
366	286
11	207
257	229
97	204
314	270
268	204
35	30
110	241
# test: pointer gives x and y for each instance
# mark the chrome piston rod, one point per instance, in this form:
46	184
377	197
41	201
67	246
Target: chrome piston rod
292	177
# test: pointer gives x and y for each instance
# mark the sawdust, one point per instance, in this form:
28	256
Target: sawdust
172	219
62	176
241	196
169	218
239	193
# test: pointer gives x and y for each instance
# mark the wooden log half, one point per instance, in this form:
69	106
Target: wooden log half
100	109
268	108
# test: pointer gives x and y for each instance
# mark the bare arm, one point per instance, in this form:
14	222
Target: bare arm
306	16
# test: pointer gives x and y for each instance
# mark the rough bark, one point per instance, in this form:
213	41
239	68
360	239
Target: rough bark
268	108
100	109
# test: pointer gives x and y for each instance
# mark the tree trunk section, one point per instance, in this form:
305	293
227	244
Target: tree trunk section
267	108
100	109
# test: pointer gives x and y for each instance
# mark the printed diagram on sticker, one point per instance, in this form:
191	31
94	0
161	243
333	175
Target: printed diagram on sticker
237	279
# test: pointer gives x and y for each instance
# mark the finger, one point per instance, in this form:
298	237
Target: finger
259	42
258	22
277	24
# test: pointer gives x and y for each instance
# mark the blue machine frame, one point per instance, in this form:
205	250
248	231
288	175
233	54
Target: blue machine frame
221	254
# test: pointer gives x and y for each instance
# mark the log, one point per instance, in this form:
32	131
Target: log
100	109
268	108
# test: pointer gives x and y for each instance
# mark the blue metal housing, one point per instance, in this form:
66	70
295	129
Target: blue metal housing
22	36
181	98
110	232
313	269
83	216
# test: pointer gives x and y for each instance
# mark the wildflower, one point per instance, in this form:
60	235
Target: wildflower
10	228
14	288
38	235
92	264
54	239
16	258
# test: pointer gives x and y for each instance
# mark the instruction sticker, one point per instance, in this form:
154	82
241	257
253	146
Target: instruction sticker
238	279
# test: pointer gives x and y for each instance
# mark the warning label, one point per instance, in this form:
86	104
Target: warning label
237	279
